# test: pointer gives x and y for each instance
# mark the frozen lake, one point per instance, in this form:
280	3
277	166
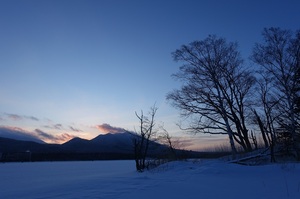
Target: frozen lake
118	179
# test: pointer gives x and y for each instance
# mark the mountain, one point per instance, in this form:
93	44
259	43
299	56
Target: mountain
107	146
75	145
103	147
18	134
8	145
120	142
108	143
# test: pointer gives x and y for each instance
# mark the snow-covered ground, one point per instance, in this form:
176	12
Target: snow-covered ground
118	179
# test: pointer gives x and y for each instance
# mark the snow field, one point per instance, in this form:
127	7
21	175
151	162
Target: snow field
118	179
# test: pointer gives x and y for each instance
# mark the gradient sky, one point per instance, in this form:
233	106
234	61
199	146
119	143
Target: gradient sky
80	68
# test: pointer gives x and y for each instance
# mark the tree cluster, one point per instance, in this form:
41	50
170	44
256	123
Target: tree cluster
222	95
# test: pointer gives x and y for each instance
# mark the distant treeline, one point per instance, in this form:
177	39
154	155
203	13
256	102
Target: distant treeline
38	157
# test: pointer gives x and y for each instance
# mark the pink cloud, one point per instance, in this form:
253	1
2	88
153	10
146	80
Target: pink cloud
37	135
106	128
47	137
18	134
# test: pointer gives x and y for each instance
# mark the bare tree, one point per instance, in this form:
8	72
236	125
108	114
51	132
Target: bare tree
267	115
142	140
279	57
215	89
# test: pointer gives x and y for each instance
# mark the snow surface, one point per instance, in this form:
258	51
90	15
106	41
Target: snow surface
118	179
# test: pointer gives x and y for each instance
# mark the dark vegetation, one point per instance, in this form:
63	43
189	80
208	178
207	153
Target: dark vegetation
146	139
78	149
260	102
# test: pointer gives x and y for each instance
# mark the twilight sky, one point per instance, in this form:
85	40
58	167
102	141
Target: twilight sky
81	68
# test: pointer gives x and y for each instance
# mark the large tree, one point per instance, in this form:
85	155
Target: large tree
278	55
215	89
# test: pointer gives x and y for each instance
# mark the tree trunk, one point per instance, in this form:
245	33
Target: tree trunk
262	129
231	141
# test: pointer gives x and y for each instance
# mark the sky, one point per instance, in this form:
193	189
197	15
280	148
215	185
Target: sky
73	68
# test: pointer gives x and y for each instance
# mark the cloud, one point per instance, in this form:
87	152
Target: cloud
106	128
44	135
32	118
37	135
54	126
16	117
18	134
58	126
53	138
75	129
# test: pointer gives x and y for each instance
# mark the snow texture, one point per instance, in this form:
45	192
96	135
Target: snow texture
118	179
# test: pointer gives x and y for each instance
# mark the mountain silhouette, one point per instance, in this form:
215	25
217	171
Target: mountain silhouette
106	146
18	134
107	143
8	145
111	146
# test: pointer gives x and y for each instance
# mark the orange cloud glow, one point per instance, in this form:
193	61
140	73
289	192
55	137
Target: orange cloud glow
106	128
49	138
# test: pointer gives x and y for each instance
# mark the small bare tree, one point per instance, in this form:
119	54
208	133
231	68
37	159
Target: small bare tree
142	140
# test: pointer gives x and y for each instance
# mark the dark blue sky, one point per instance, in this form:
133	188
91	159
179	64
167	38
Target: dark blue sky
85	63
